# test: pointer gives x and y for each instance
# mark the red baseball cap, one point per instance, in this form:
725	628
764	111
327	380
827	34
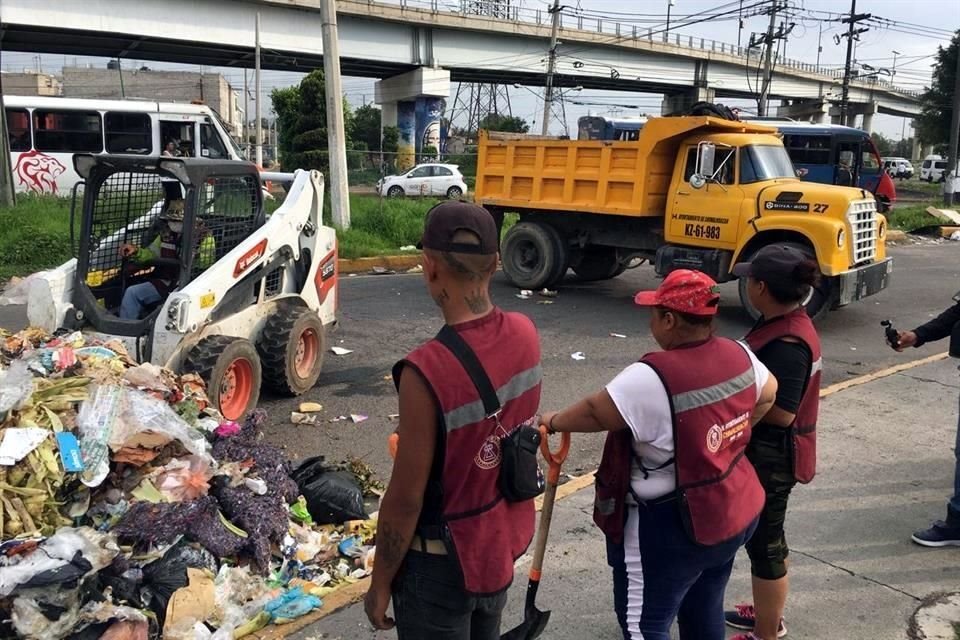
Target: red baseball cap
684	290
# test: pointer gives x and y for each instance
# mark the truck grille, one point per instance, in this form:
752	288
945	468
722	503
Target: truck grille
863	230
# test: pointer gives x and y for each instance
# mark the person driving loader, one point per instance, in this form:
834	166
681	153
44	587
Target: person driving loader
163	253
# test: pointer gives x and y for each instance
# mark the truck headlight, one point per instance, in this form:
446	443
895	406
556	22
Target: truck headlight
841	238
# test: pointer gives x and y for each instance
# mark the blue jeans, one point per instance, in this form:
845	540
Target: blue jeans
681	579
137	297
953	505
429	602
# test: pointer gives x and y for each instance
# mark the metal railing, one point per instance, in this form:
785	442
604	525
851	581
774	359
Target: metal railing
626	32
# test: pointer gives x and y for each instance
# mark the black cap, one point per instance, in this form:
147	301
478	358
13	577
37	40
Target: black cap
773	263
447	218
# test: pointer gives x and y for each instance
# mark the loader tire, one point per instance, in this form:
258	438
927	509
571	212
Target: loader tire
291	348
231	368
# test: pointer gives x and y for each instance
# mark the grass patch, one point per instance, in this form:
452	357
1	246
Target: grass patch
34	235
380	227
915	187
912	217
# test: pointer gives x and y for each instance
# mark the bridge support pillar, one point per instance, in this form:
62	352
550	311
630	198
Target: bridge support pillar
816	111
679	103
414	102
915	152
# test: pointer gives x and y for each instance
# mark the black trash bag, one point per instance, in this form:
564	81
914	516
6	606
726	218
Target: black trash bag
161	578
332	496
65	575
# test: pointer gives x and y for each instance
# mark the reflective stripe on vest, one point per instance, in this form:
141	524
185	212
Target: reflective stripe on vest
797	325
483	532
712	391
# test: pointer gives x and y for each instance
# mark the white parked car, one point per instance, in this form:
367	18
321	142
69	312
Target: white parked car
425	180
933	168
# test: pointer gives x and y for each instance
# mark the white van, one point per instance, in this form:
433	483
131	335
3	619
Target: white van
933	168
45	132
898	167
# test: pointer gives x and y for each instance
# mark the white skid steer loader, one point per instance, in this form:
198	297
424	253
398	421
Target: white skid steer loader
244	299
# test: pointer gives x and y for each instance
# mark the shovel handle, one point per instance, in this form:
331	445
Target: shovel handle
555	459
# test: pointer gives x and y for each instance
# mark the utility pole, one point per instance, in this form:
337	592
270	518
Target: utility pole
819	45
740	28
851	33
551	68
256	81
950	184
895	53
666	32
246	116
768	62
336	129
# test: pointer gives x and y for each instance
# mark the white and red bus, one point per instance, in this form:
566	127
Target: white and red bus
45	132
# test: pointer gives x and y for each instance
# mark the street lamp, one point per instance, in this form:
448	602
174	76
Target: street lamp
666	33
895	54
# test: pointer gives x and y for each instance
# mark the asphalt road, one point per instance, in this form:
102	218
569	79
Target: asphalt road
384	317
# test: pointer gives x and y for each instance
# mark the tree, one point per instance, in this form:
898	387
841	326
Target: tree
936	104
499	122
286	104
366	127
884	144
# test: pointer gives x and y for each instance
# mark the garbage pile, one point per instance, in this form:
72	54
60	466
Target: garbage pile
130	509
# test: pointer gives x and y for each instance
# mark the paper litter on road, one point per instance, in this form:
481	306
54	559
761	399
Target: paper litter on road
18	442
382	271
578	355
617	335
548	293
310	407
393	416
302	418
544	301
524	294
416	269
408	247
357	418
340	351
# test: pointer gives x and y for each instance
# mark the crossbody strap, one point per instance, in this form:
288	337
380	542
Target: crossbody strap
452	340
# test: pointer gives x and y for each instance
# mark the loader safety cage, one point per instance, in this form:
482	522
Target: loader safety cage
122	202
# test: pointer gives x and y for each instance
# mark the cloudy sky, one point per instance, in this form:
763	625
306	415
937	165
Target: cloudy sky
914	28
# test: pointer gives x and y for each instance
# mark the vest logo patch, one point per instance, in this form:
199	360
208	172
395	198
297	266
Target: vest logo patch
489	455
714	438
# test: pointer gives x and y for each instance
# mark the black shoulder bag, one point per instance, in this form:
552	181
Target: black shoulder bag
520	475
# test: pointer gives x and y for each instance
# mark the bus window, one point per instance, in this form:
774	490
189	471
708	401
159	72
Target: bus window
211	146
180	133
67	131
18	126
807	149
128	133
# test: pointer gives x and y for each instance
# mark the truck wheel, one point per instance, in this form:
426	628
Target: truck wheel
231	368
533	255
291	348
598	263
818	303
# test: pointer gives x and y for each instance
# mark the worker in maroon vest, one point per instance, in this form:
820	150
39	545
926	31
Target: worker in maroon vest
675	496
783	448
447	538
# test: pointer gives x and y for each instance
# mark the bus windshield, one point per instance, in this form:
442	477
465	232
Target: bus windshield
764	162
233	143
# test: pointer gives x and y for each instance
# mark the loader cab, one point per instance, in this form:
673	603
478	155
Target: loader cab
128	202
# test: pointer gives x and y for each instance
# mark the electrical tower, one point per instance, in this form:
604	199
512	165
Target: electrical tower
474	101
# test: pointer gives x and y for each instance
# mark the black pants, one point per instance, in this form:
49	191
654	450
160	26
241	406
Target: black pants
429	602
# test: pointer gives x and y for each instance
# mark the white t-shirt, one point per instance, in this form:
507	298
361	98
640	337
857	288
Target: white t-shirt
642	401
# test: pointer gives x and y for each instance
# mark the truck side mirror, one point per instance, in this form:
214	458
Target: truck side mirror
706	159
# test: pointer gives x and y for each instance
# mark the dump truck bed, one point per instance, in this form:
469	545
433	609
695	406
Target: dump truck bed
590	176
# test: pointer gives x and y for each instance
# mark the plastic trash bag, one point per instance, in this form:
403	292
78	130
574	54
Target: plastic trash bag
184	479
291	605
144	414
165	576
52	613
16	386
333	497
65	557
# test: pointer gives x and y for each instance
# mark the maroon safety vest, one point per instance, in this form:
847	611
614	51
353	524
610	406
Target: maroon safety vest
712	391
484	532
797	324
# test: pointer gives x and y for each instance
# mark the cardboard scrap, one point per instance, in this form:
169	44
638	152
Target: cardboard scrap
310	407
949	216
193	602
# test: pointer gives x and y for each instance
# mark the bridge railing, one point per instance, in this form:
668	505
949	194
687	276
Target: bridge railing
623	32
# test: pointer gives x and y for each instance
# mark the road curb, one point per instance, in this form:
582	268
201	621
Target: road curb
394	263
895	235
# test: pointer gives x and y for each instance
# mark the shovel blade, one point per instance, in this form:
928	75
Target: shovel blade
534	622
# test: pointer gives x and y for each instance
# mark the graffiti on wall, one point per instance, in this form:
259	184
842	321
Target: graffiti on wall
420	123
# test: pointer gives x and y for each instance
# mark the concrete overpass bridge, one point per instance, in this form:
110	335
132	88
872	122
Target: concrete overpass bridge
417	47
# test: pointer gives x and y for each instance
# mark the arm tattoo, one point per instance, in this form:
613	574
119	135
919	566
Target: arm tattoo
390	550
477	301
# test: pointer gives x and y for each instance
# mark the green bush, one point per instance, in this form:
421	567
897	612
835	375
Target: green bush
34	235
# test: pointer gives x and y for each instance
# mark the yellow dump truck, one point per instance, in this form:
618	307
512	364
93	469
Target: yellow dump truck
692	192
